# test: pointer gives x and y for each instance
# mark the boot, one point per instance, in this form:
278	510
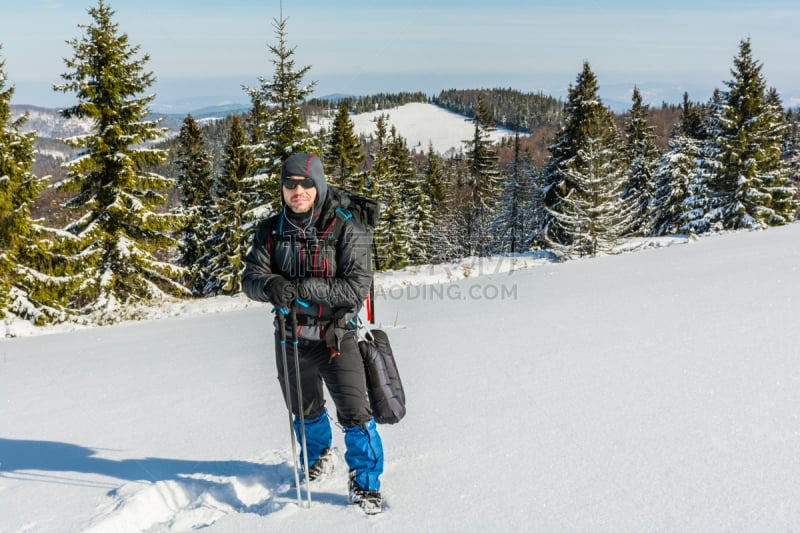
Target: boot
322	467
369	500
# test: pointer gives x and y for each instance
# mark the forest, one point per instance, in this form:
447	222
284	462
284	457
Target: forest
131	219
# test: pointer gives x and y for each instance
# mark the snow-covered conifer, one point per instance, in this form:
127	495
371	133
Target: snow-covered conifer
31	256
229	241
513	221
484	180
751	186
641	156
278	125
122	238
197	209
584	178
343	153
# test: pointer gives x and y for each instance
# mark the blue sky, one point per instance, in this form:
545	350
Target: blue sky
205	48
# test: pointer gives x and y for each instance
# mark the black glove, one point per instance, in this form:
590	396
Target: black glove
281	292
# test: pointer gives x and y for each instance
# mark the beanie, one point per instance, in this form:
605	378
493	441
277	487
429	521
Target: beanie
307	166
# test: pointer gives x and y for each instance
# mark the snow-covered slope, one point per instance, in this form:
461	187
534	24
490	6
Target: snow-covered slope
421	125
651	391
49	123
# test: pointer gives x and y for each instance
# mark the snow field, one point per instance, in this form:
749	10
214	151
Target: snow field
651	391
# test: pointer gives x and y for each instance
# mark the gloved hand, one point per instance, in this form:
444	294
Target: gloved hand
281	292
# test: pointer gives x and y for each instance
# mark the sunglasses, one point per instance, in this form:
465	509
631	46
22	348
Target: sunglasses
307	183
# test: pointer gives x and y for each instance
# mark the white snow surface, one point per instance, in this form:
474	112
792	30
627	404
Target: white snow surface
657	390
421	125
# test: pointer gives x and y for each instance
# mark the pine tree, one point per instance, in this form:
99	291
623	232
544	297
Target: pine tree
584	177
435	180
343	153
484	180
19	188
674	174
705	152
511	226
120	233
380	186
197	209
422	222
229	239
752	187
791	151
398	194
278	124
33	258
641	155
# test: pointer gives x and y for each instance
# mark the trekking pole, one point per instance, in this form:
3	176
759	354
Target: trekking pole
282	326
300	402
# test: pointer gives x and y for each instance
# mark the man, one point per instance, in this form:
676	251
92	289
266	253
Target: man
300	265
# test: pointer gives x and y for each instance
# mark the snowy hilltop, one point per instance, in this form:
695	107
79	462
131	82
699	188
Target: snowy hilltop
647	391
422	125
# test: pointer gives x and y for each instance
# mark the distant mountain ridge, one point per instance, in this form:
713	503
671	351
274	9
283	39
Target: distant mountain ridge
48	122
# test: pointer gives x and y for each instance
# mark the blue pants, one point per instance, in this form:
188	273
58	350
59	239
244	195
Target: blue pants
364	453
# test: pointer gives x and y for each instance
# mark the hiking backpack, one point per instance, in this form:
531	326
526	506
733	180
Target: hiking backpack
365	211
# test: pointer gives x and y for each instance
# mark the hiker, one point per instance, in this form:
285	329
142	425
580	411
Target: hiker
314	262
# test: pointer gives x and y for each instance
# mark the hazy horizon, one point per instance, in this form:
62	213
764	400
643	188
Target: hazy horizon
204	50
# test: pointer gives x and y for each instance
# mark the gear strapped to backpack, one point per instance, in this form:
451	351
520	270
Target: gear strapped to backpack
387	398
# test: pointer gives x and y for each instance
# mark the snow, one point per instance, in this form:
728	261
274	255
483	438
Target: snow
656	390
50	123
421	125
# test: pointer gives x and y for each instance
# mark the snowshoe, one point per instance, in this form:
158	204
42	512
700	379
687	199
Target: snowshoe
368	500
322	467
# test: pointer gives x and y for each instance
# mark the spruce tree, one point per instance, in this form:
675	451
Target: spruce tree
752	187
278	125
121	235
511	225
381	187
705	153
641	156
229	239
19	188
676	173
398	194
452	214
435	180
33	258
343	153
422	223
197	209
584	177
791	151
484	179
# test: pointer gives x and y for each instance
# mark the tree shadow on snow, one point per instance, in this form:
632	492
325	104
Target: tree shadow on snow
56	462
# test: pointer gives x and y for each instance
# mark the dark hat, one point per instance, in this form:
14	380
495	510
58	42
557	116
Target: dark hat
307	166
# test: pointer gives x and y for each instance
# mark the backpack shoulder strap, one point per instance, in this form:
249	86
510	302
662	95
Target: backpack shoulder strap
269	229
342	216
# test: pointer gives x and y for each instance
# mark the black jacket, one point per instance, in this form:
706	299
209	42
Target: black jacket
334	272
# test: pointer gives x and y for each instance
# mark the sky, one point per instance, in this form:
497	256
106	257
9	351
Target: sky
206	49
